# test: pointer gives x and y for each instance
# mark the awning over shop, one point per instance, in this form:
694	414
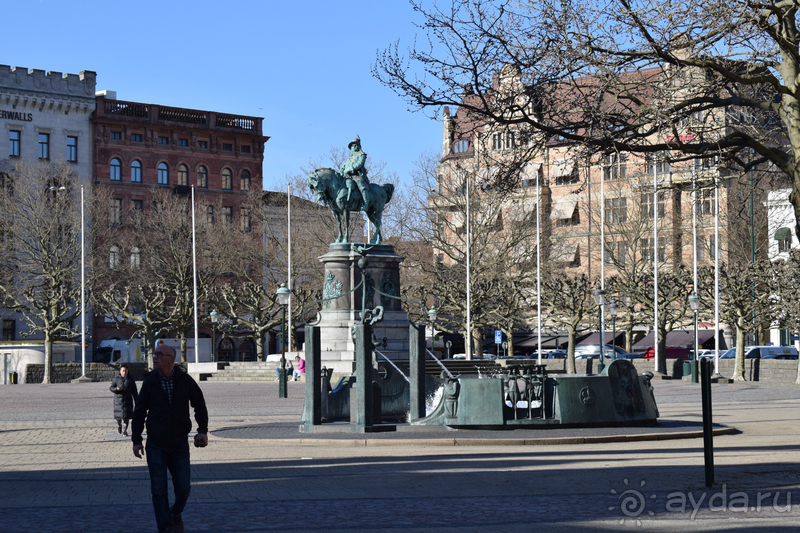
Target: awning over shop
564	252
679	339
529	172
562	167
592	340
562	210
783	234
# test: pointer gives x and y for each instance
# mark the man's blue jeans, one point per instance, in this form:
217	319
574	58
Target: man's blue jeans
176	461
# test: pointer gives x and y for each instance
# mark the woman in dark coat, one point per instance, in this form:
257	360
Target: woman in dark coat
125	397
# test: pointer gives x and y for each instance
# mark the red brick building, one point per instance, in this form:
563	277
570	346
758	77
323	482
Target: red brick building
138	147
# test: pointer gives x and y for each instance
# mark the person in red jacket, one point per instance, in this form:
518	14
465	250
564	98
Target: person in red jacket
164	404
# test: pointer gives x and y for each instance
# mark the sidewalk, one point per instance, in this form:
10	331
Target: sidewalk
64	468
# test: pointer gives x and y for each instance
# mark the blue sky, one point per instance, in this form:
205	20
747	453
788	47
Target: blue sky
302	65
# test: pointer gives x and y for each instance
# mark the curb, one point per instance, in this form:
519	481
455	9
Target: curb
547	441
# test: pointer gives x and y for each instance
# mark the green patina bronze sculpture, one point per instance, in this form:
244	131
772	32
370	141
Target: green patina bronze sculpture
336	191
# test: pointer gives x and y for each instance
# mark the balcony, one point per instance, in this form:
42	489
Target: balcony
155	114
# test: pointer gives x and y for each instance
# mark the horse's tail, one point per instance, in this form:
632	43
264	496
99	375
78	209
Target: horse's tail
389	188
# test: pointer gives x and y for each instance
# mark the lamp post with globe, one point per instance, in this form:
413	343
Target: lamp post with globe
283	295
599	299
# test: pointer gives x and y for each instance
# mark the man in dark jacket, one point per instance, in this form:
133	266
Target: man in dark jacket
164	403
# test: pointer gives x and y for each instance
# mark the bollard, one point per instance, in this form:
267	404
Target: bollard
708	435
12	378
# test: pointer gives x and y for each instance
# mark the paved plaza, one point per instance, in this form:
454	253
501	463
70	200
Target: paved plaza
65	468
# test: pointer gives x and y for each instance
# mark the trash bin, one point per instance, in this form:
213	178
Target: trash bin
12	378
687	367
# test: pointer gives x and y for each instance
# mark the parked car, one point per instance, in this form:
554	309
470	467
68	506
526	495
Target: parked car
589	351
636	355
672	353
764	352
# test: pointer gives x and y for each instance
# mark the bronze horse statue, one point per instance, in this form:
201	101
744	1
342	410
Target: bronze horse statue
331	189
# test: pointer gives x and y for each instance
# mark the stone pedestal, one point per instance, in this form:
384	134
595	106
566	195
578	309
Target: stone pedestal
342	274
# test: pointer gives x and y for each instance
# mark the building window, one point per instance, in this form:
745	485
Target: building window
136	172
227	179
202	176
137	208
136	137
784	238
703	202
116	135
647	204
44	146
8	330
245	181
712	247
616	166
657	162
460	146
113	257
203	145
227	214
609	255
163	174
622	253
497	141
647	250
183	175
115	215
245	149
511	140
183	142
136	258
210	214
244	218
616	210
13	143
163	140
227	147
115	170
72	149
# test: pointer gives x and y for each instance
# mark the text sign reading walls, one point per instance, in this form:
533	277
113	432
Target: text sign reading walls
16	115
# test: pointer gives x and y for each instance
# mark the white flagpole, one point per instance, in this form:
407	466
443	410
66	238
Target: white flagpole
83	293
538	277
194	283
655	261
469	321
716	274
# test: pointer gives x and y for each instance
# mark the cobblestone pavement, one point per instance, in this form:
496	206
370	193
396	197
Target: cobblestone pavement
65	468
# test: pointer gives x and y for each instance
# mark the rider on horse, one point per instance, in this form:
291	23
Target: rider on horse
353	170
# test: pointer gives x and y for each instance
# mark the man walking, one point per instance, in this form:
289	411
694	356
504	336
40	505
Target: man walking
164	404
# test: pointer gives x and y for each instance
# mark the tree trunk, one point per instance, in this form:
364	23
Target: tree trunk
662	350
260	346
184	354
738	370
48	357
571	351
149	347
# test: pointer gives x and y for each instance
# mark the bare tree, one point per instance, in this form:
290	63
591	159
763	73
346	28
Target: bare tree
567	300
686	78
40	210
144	263
746	293
786	282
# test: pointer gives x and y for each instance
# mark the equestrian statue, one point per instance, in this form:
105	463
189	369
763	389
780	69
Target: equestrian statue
349	190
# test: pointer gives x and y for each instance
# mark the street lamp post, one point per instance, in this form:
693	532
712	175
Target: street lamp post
694	303
599	298
613	309
214	320
284	294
